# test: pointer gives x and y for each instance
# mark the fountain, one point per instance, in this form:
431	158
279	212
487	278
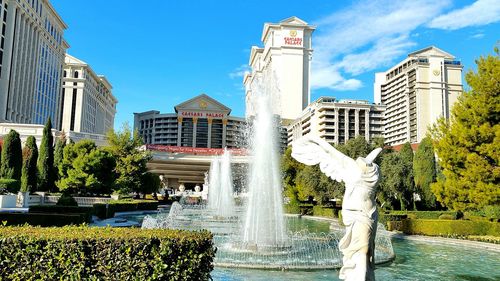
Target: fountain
220	193
264	222
256	235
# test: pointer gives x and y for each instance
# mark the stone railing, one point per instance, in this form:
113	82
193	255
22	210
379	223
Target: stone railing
42	199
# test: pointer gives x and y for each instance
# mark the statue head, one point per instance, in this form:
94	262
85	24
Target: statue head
364	163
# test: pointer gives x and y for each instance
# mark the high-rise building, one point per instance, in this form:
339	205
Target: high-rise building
417	91
199	122
32	50
282	67
338	121
88	103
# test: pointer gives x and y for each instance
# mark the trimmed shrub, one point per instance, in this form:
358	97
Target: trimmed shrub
446	217
66	200
40	219
426	214
450	228
385	218
492	211
104	211
292	208
86	253
87	211
10	185
321	211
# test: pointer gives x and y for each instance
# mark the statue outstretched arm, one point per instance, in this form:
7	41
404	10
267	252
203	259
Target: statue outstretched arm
312	150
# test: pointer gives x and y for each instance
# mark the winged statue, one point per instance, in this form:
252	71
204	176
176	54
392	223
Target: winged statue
359	209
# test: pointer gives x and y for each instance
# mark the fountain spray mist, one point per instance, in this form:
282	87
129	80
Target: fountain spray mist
264	221
220	190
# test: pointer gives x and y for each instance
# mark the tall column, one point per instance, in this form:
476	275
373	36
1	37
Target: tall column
367	125
356	122
195	121
337	133
209	141
224	131
346	122
179	130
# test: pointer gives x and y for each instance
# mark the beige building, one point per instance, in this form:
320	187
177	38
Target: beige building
281	67
199	122
338	121
32	51
417	91
88	103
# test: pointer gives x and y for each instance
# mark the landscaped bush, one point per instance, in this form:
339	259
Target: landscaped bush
84	253
10	185
321	211
292	207
426	214
87	211
67	200
446	217
385	218
447	228
41	219
108	210
492	212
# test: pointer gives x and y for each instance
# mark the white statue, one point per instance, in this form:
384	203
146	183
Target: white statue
359	210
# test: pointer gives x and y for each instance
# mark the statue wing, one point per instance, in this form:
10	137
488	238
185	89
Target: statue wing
312	150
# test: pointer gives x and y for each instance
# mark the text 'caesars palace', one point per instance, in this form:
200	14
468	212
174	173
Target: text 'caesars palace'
408	98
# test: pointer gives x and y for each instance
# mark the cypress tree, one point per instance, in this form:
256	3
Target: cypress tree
59	154
406	154
424	169
46	179
11	165
29	173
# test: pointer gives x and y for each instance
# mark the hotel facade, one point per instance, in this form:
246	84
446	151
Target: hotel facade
88	105
201	122
281	68
416	92
32	50
338	121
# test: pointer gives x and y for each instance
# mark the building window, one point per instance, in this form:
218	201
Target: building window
75	75
64	73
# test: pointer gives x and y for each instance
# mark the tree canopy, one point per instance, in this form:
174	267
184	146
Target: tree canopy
29	173
11	163
86	169
424	172
46	171
468	146
130	161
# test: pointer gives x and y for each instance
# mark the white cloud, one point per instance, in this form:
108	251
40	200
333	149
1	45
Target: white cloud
365	36
477	36
481	12
240	71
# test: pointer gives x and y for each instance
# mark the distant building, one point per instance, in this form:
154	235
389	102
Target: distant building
36	130
282	67
417	91
32	51
199	122
88	102
338	121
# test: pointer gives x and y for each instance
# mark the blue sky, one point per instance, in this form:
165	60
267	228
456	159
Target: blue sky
158	53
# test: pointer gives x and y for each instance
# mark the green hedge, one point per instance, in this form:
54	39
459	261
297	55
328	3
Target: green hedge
86	253
104	211
431	215
321	211
40	219
87	211
385	218
447	228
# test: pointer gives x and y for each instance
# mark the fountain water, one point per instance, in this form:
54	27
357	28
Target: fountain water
264	222
258	237
220	194
214	183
